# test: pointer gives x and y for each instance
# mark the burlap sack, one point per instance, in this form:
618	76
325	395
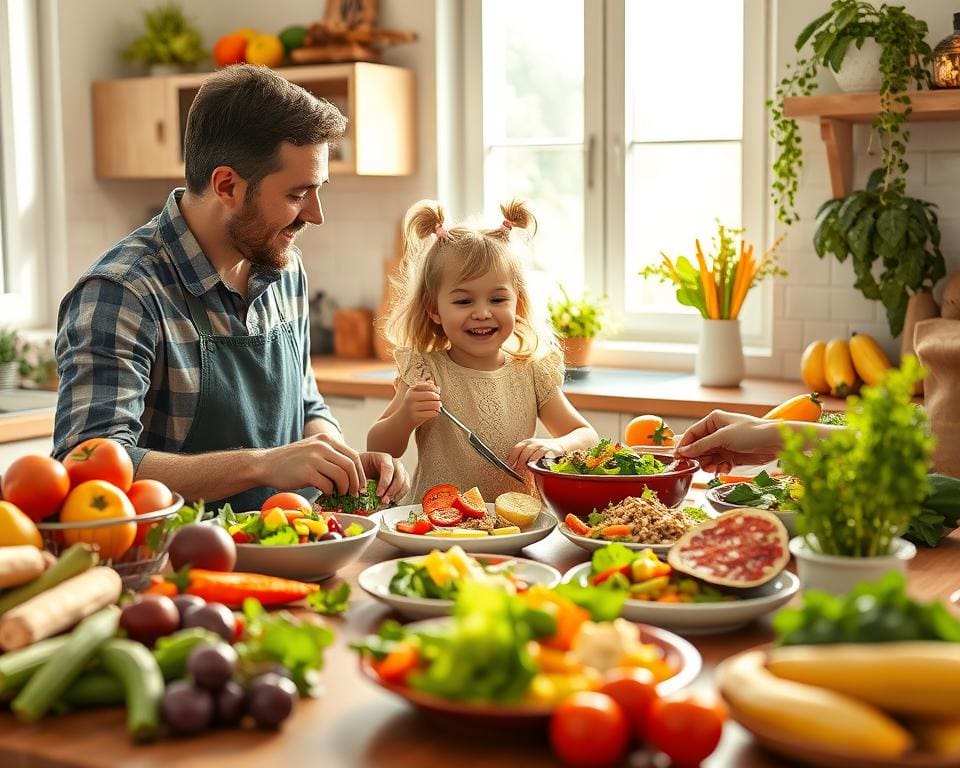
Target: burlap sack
938	346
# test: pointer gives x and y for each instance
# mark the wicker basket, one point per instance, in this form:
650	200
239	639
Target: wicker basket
138	563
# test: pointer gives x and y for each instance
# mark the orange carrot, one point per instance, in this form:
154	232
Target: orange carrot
616	531
709	288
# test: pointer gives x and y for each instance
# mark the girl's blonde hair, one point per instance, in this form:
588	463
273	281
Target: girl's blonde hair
429	247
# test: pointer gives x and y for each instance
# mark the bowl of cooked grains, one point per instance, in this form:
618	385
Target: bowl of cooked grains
580	494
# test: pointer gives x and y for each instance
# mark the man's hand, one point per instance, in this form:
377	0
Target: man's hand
421	402
393	480
724	440
533	449
321	461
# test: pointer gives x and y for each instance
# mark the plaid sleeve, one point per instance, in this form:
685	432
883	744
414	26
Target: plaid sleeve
313	405
106	347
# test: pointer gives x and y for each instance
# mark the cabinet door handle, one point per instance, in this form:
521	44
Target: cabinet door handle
160	132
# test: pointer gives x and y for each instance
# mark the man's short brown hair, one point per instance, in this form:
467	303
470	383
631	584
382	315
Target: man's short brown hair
240	117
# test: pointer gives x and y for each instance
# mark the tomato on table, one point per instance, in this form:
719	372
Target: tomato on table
148	496
589	729
686	729
648	430
439	497
417	528
288	502
97	500
635	690
445	517
100	458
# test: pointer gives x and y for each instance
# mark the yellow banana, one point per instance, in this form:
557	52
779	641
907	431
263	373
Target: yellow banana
838	367
908	678
812	367
869	360
807	713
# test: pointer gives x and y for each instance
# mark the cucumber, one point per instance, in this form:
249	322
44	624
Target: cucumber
92	689
137	669
16	667
55	676
73	562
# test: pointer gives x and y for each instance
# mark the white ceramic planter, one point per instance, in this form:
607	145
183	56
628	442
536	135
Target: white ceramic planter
838	575
720	354
860	70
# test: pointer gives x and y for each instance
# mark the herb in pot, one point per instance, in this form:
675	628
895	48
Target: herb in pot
863	485
581	318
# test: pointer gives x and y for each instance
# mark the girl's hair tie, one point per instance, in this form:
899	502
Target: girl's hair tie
439	231
507	225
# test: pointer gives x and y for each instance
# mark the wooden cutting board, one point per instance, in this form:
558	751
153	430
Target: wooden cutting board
353	333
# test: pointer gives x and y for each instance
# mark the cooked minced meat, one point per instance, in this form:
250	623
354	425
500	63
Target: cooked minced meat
652	521
488	523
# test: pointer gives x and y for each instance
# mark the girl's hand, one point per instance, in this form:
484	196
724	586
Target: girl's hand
421	402
533	449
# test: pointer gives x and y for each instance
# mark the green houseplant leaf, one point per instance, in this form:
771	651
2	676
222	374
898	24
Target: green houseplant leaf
169	39
584	317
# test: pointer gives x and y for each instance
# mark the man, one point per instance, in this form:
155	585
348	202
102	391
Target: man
188	341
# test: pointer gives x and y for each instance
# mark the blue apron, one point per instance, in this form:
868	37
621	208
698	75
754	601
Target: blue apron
251	394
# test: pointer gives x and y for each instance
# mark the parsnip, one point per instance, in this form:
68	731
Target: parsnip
20	564
59	608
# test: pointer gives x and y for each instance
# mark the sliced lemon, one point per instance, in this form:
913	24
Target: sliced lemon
518	508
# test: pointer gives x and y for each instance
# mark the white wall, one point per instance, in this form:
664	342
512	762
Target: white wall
344	257
817	300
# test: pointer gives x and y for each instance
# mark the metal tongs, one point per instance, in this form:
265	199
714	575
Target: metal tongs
480	447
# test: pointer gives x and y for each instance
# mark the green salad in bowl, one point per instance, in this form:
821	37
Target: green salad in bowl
608	458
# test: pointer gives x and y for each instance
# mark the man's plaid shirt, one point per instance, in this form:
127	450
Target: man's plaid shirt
128	354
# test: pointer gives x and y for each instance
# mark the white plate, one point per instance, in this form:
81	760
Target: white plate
375	580
415	544
313	561
585	542
704	618
714	497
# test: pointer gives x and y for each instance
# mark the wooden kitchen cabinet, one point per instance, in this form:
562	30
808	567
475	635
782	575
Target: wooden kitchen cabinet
138	123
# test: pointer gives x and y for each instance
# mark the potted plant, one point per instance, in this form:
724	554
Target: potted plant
904	59
902	232
577	321
862	486
170	43
717	288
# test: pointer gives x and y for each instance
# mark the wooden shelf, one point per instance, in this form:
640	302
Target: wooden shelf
838	112
139	122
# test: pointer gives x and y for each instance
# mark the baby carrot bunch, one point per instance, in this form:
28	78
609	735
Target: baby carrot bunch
717	285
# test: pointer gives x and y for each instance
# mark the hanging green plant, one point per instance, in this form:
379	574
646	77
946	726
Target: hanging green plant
901	232
904	60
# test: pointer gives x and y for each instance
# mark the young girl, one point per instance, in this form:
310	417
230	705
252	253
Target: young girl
465	336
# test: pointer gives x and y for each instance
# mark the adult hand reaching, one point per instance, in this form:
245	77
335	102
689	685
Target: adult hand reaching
393	478
723	440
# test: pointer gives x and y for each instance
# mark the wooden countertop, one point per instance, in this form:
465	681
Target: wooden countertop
604	389
356	724
24	426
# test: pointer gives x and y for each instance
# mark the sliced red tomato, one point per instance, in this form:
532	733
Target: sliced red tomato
463	504
576	525
418	528
439	497
445	517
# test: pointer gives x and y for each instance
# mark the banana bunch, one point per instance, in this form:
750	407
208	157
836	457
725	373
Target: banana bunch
838	366
844	697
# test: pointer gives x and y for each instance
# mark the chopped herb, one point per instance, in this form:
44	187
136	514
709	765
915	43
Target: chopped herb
330	602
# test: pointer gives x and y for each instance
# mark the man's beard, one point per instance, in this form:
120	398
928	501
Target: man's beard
259	245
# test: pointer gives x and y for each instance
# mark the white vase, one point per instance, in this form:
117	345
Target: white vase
838	574
860	70
720	354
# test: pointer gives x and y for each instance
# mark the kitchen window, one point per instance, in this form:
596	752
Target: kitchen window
632	126
28	199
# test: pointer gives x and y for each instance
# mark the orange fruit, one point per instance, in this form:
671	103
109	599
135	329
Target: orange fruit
267	50
16	528
648	430
230	49
98	500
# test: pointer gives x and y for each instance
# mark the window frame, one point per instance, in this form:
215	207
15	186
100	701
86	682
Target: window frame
604	150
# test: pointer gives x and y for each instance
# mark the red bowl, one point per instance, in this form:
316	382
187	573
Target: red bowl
582	494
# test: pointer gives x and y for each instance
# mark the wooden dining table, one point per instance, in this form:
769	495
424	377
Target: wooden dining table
355	723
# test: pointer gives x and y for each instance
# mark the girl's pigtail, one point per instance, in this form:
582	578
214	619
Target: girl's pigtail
516	214
423	219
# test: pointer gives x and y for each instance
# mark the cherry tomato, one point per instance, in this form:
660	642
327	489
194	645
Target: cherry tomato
589	729
100	458
99	500
148	496
439	497
286	501
445	517
334	525
685	729
36	485
635	690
